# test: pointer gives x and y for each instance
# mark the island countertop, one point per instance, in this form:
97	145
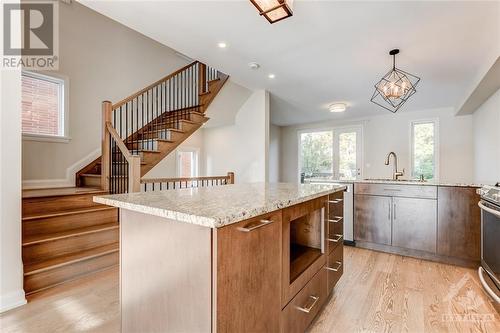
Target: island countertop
218	206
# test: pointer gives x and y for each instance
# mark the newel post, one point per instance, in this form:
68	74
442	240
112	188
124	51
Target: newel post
107	110
134	175
202	78
230	175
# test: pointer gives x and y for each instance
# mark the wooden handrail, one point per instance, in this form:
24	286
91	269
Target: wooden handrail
229	177
142	91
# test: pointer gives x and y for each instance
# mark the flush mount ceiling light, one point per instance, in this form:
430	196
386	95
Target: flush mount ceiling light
253	65
395	88
337	107
271	76
222	45
274	10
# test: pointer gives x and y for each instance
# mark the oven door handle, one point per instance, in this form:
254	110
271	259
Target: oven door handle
486	286
488	209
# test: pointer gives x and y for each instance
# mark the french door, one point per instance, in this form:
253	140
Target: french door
330	154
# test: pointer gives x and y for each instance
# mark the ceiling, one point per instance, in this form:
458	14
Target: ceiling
329	51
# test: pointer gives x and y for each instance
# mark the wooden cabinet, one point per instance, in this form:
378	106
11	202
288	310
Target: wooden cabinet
414	223
459	227
248	275
302	309
303	245
372	218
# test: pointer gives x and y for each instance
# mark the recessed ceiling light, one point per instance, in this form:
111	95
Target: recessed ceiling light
271	76
222	45
337	107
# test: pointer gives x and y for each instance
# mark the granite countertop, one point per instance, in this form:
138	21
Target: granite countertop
218	206
397	182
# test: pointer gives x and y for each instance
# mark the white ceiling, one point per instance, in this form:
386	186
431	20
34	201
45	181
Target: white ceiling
329	51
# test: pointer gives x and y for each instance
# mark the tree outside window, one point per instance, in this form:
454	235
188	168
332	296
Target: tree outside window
423	149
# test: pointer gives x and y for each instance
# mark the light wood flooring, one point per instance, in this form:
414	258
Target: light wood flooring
378	293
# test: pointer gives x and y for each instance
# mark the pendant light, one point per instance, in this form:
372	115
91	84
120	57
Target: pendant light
395	88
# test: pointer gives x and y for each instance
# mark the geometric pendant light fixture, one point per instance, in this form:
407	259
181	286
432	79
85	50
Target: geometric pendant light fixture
274	10
395	88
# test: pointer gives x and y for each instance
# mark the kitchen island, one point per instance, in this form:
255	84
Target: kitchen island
237	258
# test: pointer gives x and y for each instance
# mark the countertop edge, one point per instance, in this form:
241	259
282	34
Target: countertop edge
211	222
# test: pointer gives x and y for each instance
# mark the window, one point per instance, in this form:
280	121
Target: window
316	155
330	154
43	106
424	160
187	163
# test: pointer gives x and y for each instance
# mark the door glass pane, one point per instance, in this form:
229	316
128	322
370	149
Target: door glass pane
316	155
347	156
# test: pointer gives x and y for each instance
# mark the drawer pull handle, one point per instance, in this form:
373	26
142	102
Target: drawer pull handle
335	269
336	240
392	189
335	201
336	220
260	225
311	303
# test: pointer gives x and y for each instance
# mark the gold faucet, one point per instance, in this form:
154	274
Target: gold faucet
396	174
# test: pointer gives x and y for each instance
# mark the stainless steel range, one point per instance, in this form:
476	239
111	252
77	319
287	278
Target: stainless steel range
489	272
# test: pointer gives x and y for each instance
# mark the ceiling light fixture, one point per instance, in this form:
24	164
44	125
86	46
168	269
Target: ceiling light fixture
395	88
222	45
271	76
337	107
274	10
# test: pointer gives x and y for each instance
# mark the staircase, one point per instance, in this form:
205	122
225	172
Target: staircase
65	234
150	124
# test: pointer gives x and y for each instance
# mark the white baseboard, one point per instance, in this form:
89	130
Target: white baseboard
12	300
69	181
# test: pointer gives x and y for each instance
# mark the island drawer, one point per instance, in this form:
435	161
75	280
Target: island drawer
396	190
336	205
335	267
302	309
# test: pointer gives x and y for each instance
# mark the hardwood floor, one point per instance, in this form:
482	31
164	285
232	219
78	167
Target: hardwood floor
378	292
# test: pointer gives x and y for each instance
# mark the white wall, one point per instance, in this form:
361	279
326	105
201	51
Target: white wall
103	60
11	266
391	132
274	153
243	147
487	141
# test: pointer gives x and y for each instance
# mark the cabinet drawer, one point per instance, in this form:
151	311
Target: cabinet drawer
335	267
335	235
396	190
302	309
336	204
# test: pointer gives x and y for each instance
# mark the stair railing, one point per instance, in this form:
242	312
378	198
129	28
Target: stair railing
161	184
130	125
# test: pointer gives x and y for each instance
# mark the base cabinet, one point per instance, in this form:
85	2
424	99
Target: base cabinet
248	275
372	216
414	224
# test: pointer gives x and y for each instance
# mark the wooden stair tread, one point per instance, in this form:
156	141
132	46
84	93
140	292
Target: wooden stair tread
68	212
68	259
60	191
37	239
149	151
91	175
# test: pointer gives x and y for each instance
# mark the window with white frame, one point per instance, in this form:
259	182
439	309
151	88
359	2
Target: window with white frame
187	163
43	105
424	143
